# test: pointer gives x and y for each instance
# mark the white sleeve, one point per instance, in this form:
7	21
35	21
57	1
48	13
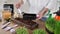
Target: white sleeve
52	5
24	1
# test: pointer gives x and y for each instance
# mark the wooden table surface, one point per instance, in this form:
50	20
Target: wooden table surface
41	26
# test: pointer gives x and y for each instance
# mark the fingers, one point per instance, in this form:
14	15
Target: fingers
39	17
17	5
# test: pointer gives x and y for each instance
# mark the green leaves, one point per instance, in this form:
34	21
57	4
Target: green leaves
50	24
57	28
22	31
53	25
39	31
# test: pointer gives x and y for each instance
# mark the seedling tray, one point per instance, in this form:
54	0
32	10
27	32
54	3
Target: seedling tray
27	23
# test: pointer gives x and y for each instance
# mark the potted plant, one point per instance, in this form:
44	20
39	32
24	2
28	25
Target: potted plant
57	28
39	31
50	25
22	30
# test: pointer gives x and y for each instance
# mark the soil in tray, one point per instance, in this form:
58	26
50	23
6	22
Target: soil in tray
30	23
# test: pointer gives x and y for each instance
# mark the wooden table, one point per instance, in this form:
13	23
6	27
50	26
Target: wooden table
41	26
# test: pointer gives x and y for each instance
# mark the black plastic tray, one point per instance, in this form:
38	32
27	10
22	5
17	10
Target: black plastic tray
26	23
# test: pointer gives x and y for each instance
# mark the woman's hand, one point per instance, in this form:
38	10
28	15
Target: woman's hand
18	4
39	16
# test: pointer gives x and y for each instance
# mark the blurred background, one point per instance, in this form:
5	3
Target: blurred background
14	2
2	2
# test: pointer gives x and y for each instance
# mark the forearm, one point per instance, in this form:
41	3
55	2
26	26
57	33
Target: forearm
44	11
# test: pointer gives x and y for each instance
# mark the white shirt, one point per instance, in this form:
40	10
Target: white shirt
35	6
